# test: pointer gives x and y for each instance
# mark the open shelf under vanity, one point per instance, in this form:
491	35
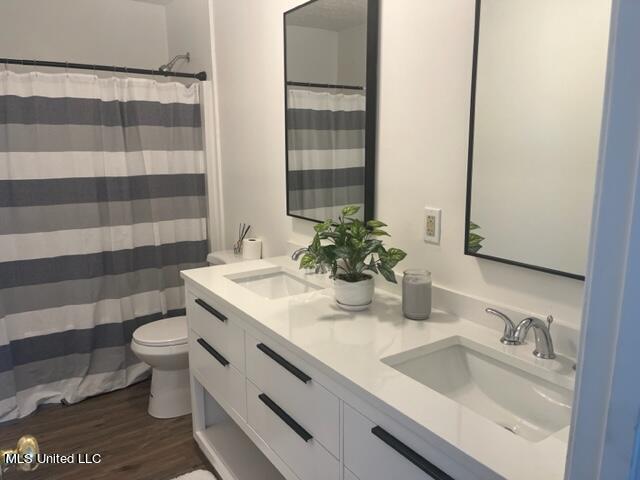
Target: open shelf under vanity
225	444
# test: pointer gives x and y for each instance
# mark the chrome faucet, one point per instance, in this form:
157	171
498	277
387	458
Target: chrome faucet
509	336
542	332
296	255
516	335
320	268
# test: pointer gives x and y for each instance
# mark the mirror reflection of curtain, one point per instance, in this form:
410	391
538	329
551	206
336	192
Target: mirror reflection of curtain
326	152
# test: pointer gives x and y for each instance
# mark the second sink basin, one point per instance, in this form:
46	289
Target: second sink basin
525	404
273	283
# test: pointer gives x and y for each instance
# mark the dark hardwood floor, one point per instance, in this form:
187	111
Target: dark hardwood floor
116	425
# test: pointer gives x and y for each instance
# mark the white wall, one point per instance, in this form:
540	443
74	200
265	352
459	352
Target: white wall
114	32
538	110
425	76
248	42
312	55
352	55
188	31
326	56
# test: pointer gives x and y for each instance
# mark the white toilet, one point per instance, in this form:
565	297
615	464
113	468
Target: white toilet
163	345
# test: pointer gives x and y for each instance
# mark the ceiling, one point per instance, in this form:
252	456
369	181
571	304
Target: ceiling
333	15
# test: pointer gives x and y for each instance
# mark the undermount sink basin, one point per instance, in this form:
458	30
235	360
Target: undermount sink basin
525	404
273	283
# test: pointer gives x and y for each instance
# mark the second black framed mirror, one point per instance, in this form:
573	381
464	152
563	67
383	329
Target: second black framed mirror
537	94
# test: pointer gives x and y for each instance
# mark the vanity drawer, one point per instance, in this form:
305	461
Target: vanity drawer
285	379
217	375
373	453
217	328
293	442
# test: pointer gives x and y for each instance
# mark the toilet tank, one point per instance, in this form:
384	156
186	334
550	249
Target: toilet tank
223	257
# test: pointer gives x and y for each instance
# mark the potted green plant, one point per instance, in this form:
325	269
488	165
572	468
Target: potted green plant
350	249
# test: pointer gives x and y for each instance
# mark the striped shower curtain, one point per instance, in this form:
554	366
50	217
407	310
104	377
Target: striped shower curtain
325	141
102	203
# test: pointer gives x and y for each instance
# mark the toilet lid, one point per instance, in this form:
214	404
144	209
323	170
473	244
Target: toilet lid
165	332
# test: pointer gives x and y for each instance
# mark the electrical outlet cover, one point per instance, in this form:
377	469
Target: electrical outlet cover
431	225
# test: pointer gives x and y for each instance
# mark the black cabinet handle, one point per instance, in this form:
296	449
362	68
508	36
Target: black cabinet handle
411	455
284	363
295	426
214	353
211	310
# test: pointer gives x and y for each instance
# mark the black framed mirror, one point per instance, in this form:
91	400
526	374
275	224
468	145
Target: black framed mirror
331	76
536	110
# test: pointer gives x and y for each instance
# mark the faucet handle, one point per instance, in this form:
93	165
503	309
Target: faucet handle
509	336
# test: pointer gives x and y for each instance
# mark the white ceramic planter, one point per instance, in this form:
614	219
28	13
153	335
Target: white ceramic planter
354	295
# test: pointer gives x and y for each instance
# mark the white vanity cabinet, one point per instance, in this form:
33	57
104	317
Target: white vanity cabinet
257	406
374	453
280	375
226	381
293	443
216	353
220	330
296	416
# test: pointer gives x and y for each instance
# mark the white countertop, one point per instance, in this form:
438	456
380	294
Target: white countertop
349	345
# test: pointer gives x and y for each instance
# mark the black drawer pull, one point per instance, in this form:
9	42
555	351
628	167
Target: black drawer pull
214	353
411	455
211	310
284	363
295	426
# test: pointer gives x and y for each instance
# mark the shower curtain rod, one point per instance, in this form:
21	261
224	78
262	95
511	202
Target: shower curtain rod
325	85
102	68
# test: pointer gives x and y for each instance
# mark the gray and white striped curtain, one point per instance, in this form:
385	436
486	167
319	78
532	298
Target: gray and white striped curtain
102	203
325	133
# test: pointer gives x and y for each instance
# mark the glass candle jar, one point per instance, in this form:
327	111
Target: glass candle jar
416	294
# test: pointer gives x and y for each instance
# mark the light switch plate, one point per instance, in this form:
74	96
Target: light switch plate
431	225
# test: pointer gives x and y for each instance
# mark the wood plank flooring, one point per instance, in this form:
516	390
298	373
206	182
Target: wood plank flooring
133	445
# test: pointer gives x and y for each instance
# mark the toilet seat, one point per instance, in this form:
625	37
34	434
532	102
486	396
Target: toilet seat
162	333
